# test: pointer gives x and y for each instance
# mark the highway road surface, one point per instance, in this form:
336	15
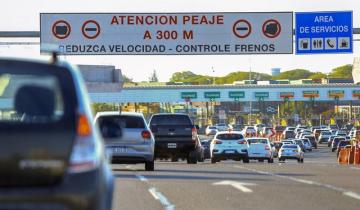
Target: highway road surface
318	183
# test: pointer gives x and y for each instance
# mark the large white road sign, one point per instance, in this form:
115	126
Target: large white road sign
168	33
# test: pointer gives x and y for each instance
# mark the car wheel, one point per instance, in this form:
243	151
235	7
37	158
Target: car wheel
213	160
149	166
174	159
270	160
246	160
192	158
310	150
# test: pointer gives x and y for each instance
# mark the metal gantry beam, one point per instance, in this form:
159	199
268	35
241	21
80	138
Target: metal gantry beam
36	34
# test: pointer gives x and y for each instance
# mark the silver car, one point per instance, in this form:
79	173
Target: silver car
128	139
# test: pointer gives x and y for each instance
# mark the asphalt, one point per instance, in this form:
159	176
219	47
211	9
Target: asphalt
318	183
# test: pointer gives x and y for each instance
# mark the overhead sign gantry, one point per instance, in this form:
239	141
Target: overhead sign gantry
168	33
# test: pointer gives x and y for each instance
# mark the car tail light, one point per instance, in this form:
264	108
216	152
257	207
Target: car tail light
85	154
242	142
194	134
83	126
217	142
267	147
146	134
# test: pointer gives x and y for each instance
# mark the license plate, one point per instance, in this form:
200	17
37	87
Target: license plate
230	152
119	150
172	145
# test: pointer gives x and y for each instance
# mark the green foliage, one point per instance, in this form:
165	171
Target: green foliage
181	76
190	77
317	75
100	107
295	74
342	72
127	79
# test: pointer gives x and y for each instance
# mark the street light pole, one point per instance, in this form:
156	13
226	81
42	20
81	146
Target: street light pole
250	114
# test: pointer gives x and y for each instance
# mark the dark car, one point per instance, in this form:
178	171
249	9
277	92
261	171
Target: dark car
176	137
52	156
288	134
301	144
342	144
206	145
336	142
312	140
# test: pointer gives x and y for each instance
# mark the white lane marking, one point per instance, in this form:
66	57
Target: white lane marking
237	185
160	197
141	178
352	195
355	168
338	189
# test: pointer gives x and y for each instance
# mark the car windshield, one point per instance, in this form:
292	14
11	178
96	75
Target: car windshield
229	136
212	127
170	120
289	147
325	133
260	141
123	121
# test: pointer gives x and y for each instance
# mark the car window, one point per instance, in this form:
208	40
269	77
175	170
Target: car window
229	136
289	146
122	121
325	133
261	141
170	120
34	97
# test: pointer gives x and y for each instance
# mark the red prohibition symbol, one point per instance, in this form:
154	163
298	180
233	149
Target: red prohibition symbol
90	29
242	28
61	29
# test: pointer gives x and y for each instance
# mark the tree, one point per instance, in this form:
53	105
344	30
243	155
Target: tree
342	72
153	77
294	74
127	79
317	75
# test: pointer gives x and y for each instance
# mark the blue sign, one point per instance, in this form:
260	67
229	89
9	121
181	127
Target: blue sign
324	32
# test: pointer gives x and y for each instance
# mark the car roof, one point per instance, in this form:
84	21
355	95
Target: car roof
117	113
227	132
257	138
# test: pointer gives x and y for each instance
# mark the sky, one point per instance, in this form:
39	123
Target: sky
14	17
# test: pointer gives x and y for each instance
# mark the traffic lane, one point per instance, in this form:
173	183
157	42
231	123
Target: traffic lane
320	167
192	186
130	192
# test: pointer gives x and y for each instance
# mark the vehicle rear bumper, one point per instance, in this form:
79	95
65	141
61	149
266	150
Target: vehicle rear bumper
224	156
132	158
259	156
181	150
290	157
84	191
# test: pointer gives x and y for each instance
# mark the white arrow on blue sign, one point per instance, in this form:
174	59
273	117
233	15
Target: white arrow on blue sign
324	32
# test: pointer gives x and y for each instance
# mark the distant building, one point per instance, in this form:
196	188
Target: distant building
356	70
102	78
275	71
337	80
